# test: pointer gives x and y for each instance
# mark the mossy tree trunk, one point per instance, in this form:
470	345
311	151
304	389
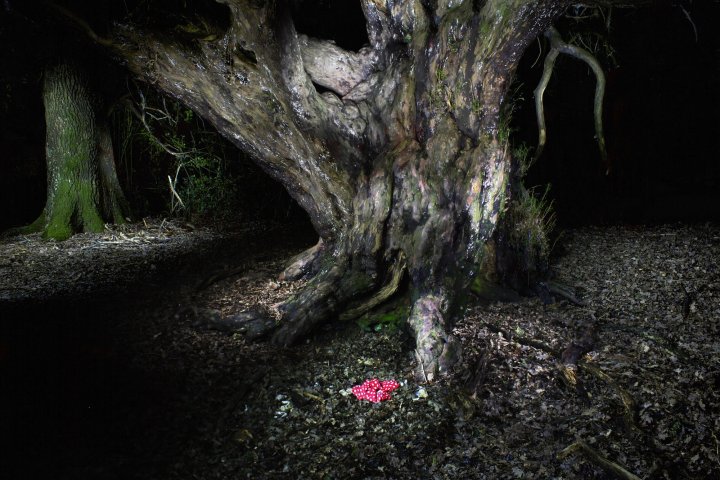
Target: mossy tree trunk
401	162
83	190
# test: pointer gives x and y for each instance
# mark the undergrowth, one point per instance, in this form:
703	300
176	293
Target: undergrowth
189	164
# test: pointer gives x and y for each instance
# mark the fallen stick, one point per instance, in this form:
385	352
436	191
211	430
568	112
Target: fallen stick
595	457
627	399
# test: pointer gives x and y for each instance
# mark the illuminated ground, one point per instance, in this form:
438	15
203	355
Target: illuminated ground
136	385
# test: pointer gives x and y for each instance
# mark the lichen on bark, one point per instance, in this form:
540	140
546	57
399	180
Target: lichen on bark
82	187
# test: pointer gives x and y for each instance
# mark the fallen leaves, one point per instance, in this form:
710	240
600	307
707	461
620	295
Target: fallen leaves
241	410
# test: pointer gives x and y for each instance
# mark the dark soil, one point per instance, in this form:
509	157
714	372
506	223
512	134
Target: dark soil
110	367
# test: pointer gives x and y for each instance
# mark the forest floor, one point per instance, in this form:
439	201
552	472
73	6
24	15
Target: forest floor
110	367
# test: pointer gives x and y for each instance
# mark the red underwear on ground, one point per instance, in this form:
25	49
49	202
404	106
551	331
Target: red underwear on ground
374	390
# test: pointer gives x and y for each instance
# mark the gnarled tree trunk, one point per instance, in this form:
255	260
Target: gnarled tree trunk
399	163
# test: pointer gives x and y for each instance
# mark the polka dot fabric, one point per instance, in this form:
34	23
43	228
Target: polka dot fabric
374	390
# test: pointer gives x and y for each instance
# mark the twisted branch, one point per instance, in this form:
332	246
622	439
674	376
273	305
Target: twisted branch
82	25
557	46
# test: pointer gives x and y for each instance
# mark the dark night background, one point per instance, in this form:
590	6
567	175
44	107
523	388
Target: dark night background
661	106
661	121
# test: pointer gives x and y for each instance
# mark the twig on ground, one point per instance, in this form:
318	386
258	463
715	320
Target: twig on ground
599	460
478	379
627	399
529	342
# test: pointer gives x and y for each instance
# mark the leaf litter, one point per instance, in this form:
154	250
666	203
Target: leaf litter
644	398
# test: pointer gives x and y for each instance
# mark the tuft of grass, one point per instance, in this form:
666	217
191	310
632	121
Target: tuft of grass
532	220
521	155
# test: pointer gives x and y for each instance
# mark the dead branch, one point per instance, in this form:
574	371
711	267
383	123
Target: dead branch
627	399
595	457
557	46
82	25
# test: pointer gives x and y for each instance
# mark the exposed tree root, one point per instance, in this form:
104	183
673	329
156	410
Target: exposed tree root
660	343
35	227
437	350
627	399
254	324
421	367
570	363
322	298
570	357
303	264
599	460
222	275
529	342
396	274
567	359
663	458
580	345
559	290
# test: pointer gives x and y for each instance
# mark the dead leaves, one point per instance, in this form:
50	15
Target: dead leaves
643	395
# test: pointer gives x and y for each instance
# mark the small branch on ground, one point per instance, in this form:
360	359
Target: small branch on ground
475	383
599	460
529	342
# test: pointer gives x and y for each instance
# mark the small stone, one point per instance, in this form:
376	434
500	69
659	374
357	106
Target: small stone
420	393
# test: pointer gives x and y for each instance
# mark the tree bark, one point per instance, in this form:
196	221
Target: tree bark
83	189
401	161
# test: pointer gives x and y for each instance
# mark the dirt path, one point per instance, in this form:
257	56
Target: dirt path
136	386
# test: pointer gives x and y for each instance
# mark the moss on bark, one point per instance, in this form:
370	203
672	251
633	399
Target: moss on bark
82	190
